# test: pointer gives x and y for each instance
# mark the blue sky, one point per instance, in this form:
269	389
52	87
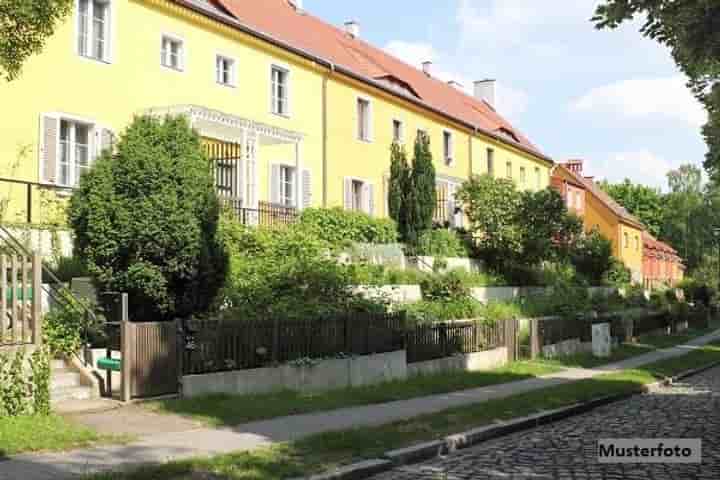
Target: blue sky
613	98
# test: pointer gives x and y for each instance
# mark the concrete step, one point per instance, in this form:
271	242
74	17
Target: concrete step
64	378
70	393
58	364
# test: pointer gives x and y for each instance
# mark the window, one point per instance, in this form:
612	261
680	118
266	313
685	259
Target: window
448	147
225	71
172	54
523	176
538	179
626	240
287	182
637	243
94	29
578	200
491	161
75	152
398	131
280	85
508	170
357	195
364	121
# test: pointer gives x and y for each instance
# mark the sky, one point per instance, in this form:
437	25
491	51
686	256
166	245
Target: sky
612	98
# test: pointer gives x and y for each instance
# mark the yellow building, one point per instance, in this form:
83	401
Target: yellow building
601	212
311	109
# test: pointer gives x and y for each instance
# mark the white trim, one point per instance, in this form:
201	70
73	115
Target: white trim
288	89
233	71
183	52
365	202
109	50
369	101
91	146
295	182
449	160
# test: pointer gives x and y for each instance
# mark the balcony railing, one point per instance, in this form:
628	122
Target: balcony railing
266	215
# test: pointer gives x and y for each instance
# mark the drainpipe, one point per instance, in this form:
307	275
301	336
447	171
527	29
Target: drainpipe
325	137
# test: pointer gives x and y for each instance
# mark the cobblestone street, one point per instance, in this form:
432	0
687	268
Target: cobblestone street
567	449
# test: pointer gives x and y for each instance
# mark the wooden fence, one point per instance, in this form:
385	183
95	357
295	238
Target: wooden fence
433	341
20	294
235	345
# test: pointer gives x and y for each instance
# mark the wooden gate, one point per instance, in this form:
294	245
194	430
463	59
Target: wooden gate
152	351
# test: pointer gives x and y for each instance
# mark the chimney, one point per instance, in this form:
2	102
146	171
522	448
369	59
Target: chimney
352	28
485	90
427	67
455	84
575	165
297	4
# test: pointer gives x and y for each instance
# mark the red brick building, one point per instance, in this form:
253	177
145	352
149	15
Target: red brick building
662	266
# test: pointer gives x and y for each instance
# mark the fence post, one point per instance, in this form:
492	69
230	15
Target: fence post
346	333
276	341
535	338
36	299
127	338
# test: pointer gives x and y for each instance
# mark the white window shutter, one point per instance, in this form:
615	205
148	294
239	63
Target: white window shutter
105	140
386	194
348	194
49	147
370	198
370	129
306	189
275	184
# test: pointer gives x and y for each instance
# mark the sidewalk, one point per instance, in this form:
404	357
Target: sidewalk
200	442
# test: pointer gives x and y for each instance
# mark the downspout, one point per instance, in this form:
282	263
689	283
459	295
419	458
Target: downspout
325	136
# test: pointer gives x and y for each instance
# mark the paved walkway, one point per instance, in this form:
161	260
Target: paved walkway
197	442
567	449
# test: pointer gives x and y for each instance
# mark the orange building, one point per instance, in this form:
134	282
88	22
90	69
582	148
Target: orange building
662	266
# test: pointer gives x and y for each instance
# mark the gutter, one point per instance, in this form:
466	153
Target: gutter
234	23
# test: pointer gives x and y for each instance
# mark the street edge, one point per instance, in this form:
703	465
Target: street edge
452	443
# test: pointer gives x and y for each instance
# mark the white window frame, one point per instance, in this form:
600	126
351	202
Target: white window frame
365	200
273	99
449	155
232	83
538	176
490	161
508	169
368	123
91	146
294	185
182	57
109	33
401	138
523	176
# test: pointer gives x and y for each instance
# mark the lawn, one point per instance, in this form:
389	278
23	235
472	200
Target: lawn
225	410
324	451
39	433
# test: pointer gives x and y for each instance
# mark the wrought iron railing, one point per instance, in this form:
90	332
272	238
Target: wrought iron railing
266	215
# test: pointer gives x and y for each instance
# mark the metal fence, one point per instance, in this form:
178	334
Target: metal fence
216	346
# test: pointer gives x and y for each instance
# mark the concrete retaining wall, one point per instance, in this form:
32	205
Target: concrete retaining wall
472	362
566	347
426	264
47	242
393	293
325	375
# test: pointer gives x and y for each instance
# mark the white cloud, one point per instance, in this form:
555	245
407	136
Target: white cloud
644	99
640	166
510	102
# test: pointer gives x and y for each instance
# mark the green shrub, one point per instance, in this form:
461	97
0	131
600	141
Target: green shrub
65	328
145	221
444	310
592	257
618	275
444	287
442	243
341	227
25	383
67	268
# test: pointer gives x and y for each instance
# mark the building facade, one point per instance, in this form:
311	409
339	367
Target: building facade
602	213
662	266
312	109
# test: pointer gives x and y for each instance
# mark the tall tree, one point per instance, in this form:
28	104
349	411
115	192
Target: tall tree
398	188
422	198
25	25
644	202
691	28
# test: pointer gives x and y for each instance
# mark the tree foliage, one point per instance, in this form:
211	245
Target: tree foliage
422	195
145	221
646	203
592	256
691	29
25	25
399	188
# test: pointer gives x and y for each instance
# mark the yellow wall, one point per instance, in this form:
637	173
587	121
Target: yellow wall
59	80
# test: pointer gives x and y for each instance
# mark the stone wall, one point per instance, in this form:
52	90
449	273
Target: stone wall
472	362
325	375
566	347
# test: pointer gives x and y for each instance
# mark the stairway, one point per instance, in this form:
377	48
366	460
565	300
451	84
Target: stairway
66	385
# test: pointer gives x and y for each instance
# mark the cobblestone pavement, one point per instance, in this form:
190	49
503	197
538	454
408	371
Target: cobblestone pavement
567	449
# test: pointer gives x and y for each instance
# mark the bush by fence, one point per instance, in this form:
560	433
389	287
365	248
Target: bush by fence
237	345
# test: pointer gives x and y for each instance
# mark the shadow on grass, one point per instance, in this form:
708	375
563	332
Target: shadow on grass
232	410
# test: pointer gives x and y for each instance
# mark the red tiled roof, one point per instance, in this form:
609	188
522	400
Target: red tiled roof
604	198
279	20
652	243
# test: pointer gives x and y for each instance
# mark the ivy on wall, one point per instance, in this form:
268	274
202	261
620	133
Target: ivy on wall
25	383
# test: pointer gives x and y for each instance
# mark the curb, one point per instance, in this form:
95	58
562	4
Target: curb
428	450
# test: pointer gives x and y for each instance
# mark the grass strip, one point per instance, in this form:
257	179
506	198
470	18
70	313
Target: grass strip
329	450
43	433
228	410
